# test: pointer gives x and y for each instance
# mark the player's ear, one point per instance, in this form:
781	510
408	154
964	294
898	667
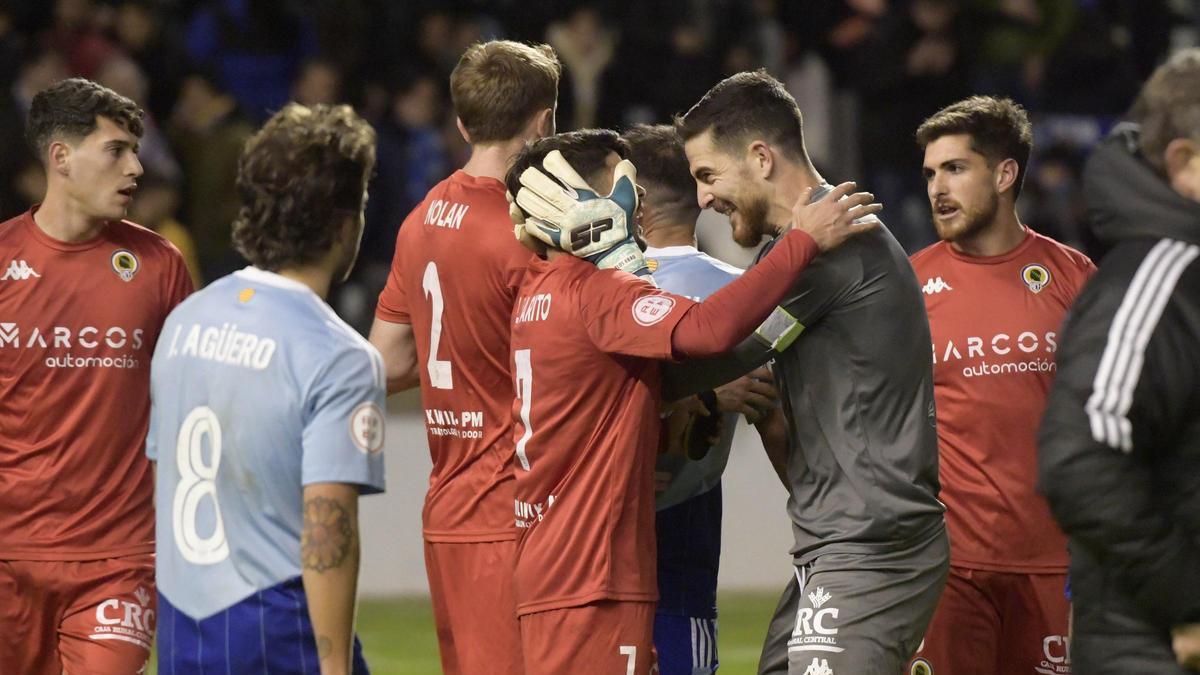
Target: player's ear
1006	175
58	158
462	130
762	158
545	123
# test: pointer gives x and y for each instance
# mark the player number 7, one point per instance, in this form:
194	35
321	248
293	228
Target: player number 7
523	359
630	651
440	374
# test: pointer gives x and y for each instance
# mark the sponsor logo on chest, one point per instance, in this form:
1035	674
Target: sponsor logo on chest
1001	353
81	346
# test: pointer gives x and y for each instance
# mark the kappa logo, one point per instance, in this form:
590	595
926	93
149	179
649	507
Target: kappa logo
819	597
818	667
935	285
19	270
590	233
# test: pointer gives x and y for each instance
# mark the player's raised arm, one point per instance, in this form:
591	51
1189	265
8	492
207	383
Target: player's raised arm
558	207
329	557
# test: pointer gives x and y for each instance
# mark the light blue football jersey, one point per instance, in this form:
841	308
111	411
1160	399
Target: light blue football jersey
257	389
686	271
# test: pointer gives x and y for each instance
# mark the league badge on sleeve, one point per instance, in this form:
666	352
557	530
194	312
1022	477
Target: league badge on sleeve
650	309
366	427
1035	276
124	263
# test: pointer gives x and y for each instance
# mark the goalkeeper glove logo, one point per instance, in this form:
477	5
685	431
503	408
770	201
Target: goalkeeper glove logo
590	233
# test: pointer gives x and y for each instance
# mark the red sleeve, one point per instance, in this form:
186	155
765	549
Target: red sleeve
393	302
728	316
624	314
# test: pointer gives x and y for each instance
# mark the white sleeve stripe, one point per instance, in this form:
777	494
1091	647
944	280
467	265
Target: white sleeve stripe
1125	350
695	643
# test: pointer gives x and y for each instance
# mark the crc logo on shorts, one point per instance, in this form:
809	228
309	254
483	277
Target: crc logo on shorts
126	620
366	427
1056	656
920	667
651	309
1035	276
124	263
815	629
818	667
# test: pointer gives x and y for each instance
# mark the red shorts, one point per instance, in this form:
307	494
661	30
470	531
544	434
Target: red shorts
474	606
95	617
603	638
998	623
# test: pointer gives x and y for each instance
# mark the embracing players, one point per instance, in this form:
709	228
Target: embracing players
586	340
268	422
850	344
996	293
443	320
83	294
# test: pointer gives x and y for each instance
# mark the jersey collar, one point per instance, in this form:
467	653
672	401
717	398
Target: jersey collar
265	277
669	251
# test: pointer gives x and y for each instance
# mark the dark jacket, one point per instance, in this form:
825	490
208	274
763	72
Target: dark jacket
1119	454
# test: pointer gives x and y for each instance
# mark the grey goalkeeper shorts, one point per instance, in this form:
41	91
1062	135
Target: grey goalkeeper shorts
857	614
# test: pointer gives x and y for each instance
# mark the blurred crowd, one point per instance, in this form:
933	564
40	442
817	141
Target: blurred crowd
865	72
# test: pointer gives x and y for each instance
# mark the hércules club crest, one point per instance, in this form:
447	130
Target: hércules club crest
124	263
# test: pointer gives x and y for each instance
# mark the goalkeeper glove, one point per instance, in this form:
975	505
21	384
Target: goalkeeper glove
576	219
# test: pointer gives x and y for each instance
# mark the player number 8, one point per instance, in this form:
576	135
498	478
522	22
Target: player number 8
195	483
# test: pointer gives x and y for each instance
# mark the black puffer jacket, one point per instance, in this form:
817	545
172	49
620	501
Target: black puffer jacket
1120	442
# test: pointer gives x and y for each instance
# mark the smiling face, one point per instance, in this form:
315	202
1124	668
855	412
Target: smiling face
962	188
727	184
101	170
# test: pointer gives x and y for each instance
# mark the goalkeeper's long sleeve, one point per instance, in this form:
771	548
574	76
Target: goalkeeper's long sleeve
728	316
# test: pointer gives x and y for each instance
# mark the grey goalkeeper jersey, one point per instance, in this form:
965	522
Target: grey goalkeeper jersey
851	350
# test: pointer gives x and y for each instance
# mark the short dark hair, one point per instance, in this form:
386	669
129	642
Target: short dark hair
497	86
1168	107
298	177
745	106
662	166
68	110
998	127
585	150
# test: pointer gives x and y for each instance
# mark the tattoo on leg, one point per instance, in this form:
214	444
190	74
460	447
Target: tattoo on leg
328	534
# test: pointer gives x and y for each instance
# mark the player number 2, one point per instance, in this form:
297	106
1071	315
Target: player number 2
524	392
196	482
440	376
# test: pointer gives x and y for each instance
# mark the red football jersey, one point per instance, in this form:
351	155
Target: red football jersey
78	324
995	324
585	344
454	277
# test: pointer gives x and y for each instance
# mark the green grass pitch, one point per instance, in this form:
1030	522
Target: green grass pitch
398	637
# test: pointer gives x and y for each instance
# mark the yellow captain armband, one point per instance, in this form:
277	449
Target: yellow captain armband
780	330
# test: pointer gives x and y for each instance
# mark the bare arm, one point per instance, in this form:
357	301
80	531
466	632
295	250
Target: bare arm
329	555
772	429
398	347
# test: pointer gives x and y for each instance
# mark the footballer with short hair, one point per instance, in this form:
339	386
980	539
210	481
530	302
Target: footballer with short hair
83	294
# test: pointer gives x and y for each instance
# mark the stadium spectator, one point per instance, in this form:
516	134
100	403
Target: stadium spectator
442	322
587	45
688	503
208	130
147	34
75	35
154	206
586	341
996	293
85	294
254	48
871	552
319	81
1119	443
258	548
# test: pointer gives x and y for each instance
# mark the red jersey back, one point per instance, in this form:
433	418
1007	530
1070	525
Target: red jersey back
454	276
78	324
585	347
995	324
